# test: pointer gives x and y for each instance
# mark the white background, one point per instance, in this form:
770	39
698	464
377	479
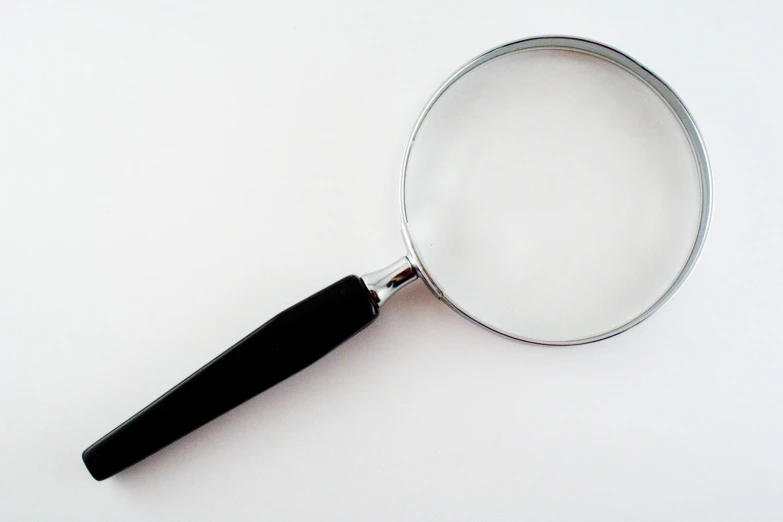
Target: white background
174	174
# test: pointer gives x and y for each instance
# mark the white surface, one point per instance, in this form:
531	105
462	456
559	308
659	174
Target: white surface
552	195
171	175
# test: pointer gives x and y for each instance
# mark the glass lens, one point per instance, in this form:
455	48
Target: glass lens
552	195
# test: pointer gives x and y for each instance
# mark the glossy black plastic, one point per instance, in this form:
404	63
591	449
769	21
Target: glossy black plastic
289	342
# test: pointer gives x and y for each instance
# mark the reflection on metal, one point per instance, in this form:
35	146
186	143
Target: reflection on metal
385	282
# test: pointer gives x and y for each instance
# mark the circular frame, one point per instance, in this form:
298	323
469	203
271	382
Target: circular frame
658	86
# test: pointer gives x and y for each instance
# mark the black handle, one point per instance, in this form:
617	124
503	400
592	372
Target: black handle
289	342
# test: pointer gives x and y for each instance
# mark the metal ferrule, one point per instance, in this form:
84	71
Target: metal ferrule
385	282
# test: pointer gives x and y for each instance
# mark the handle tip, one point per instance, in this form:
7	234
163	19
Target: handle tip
93	465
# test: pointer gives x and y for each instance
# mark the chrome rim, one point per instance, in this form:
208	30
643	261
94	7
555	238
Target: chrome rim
658	86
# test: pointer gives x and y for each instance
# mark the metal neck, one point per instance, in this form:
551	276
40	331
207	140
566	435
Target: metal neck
385	282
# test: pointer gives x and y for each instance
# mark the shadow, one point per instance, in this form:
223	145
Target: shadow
387	346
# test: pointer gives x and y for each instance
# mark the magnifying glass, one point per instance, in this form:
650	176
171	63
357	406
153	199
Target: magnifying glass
553	191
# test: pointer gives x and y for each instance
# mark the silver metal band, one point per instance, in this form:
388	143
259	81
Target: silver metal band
385	282
657	85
